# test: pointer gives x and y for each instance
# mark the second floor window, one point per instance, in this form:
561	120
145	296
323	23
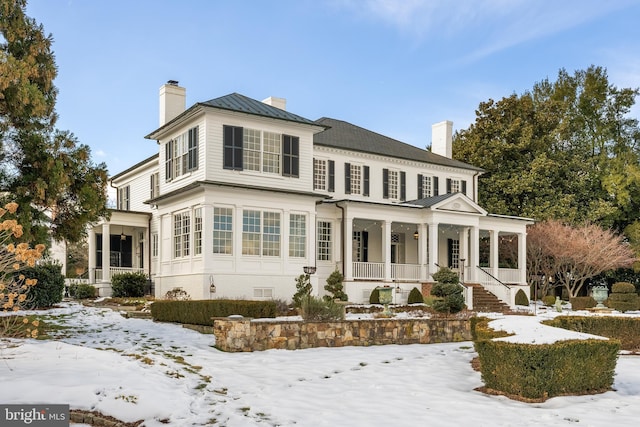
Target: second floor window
394	185
324	175
427	186
155	185
181	154
456	186
356	179
124	198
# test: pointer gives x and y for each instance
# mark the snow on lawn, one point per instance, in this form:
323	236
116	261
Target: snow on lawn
135	369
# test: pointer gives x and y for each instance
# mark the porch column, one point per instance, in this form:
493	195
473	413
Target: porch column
312	240
463	254
494	252
91	236
106	252
423	252
522	257
386	249
474	253
207	242
433	248
348	248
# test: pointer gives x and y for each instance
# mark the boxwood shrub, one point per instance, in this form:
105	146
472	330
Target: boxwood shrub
624	329
582	303
201	312
82	291
50	287
128	285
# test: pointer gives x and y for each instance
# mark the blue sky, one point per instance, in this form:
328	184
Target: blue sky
394	67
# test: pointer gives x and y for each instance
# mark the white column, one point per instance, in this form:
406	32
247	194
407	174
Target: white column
433	248
348	248
386	249
106	253
522	256
494	252
463	253
422	250
474	253
91	236
312	241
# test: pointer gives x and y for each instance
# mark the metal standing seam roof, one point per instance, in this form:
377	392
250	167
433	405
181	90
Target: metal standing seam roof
344	135
244	104
427	202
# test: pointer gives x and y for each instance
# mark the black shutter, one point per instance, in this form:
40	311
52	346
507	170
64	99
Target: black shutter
128	192
168	161
332	176
420	189
436	189
403	186
232	147
365	191
290	156
450	253
464	187
193	149
365	246
448	186
152	185
385	183
347	178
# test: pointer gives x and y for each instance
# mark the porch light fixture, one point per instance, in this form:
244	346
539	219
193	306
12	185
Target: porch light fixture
416	235
309	269
122	235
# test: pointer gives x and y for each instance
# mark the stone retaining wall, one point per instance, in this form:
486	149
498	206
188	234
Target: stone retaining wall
236	335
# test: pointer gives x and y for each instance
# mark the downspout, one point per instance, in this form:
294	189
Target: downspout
475	192
342	242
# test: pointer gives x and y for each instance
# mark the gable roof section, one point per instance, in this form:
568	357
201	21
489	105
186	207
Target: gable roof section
344	135
456	202
244	104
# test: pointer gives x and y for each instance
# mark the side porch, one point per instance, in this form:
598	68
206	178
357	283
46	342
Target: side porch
125	250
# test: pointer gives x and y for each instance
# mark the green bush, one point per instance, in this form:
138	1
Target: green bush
623	297
450	299
540	371
201	312
623	288
128	284
319	310
303	289
374	298
50	287
335	287
582	303
521	298
415	297
549	300
82	291
445	275
624	329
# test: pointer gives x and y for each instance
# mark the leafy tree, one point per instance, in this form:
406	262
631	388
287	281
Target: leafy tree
42	168
303	290
570	255
564	150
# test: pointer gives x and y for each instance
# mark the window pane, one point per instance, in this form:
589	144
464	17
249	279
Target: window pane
271	161
251	152
222	231
319	174
324	241
297	236
251	233
271	234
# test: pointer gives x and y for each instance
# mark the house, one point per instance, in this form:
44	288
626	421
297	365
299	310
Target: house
243	196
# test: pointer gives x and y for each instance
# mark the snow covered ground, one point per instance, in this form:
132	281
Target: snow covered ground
135	369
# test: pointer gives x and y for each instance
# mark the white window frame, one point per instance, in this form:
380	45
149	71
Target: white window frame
297	235
197	231
222	230
261	151
455	185
324	241
394	183
427	186
320	174
355	178
181	234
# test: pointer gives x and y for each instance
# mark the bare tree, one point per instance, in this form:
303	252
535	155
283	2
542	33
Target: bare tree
572	254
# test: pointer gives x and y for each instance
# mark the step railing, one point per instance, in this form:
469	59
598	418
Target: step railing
495	286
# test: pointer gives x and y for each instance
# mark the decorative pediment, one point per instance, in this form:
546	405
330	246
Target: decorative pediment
456	202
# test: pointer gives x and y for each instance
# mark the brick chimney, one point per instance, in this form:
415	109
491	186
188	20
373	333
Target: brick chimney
441	138
173	101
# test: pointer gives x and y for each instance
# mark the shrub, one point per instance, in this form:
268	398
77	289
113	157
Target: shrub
303	289
623	288
374	298
582	303
50	286
415	297
128	284
319	310
623	297
82	291
549	300
201	312
521	298
445	275
450	299
335	287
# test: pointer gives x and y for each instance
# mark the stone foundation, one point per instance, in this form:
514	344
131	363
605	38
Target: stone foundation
237	335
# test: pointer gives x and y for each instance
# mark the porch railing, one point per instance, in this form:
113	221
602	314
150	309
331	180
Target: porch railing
494	285
509	275
376	271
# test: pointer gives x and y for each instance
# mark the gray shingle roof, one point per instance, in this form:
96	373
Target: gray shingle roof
344	135
244	104
427	202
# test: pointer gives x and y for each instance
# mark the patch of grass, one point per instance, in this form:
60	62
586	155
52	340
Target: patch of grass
128	399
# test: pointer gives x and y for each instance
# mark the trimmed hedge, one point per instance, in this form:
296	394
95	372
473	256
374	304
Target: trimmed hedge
201	312
50	287
128	285
582	303
623	297
521	298
624	329
415	297
82	291
540	371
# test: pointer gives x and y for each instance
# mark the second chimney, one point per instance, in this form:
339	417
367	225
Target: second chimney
173	101
280	103
441	138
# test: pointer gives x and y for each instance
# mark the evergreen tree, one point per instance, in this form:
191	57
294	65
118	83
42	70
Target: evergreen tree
45	170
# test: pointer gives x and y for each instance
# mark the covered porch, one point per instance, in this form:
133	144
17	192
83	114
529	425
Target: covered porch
119	245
